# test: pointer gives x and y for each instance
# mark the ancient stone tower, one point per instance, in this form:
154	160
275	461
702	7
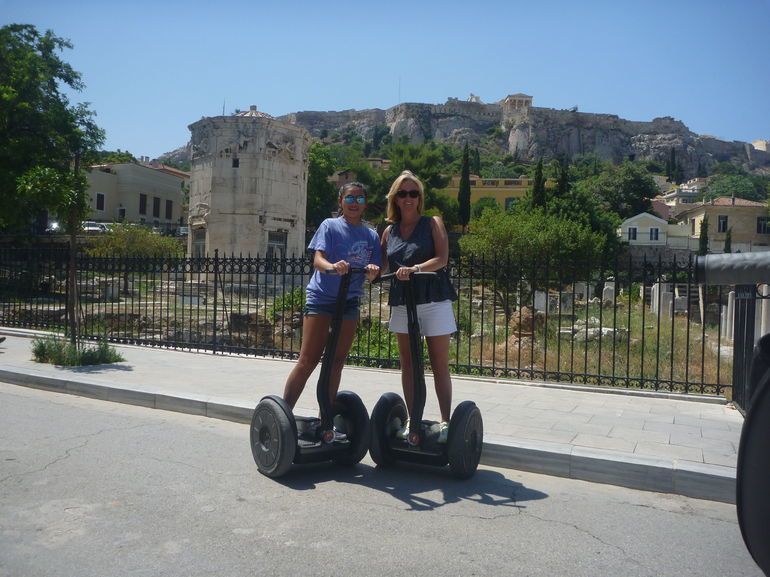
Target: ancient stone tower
248	186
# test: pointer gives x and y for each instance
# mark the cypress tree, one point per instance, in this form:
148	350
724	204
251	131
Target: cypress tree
562	186
476	162
703	241
464	193
729	240
538	187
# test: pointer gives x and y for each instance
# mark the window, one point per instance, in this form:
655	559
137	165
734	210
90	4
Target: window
169	209
99	201
276	244
692	227
631	233
236	162
121	214
654	233
155	207
722	223
473	183
763	225
142	204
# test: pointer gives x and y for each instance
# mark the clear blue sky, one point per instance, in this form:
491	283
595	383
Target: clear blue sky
153	68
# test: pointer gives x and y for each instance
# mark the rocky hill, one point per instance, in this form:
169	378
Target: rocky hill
529	132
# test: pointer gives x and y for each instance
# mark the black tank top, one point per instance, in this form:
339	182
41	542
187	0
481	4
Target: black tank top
415	250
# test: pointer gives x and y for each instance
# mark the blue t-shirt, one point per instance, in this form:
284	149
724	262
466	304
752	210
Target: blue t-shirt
340	240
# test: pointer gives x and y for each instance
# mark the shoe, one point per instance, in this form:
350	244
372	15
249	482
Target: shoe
443	432
403	432
339	437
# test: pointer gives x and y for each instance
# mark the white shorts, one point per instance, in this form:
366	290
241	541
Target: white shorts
435	319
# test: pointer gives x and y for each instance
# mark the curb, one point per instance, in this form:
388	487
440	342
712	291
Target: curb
711	482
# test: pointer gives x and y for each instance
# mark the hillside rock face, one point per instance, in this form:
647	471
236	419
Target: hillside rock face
529	132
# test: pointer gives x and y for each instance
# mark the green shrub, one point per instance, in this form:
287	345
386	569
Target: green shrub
58	351
289	301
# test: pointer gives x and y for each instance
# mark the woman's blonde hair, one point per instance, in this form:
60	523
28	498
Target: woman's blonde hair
394	213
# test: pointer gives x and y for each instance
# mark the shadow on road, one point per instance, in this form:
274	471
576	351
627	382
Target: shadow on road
416	486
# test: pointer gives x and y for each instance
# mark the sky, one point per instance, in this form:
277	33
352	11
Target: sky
153	68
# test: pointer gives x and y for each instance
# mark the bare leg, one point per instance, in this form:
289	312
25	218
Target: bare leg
315	334
438	351
407	382
347	334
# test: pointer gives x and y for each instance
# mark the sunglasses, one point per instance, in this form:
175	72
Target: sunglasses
350	199
410	193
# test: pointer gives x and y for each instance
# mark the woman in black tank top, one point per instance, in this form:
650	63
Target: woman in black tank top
414	243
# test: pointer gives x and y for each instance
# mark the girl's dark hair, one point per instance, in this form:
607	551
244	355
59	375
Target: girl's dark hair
350	185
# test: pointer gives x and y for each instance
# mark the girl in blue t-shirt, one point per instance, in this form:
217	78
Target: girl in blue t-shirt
340	243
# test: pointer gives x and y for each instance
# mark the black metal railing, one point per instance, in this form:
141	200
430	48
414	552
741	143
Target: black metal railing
643	325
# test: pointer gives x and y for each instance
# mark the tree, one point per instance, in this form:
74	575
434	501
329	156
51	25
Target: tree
538	187
562	183
116	157
703	239
45	140
625	190
321	196
728	240
483	204
464	192
587	165
476	162
39	128
132	241
525	241
125	241
742	186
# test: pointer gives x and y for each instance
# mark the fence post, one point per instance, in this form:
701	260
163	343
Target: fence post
216	290
743	343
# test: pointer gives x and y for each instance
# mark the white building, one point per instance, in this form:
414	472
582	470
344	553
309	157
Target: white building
129	192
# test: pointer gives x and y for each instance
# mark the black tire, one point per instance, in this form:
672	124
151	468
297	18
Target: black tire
273	437
753	468
466	437
387	408
351	408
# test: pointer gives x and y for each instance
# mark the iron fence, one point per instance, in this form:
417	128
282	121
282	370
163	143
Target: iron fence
643	325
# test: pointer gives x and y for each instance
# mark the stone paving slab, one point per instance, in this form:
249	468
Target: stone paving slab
684	444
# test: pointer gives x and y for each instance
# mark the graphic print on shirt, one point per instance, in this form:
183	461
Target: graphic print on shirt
359	254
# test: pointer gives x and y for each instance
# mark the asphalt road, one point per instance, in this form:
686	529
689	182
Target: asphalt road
90	488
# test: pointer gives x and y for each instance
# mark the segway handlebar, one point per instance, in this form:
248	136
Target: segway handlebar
390	275
352	269
733	268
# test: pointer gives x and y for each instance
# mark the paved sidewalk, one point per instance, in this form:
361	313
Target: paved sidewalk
668	443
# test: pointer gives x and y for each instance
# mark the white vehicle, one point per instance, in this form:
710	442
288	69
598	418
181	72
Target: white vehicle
93	227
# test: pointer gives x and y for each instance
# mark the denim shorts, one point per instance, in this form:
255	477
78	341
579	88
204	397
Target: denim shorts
349	314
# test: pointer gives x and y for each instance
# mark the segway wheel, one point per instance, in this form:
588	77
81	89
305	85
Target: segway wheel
350	408
466	437
753	470
273	439
389	407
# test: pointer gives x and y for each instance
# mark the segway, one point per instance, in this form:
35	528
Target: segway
752	481
462	451
279	438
